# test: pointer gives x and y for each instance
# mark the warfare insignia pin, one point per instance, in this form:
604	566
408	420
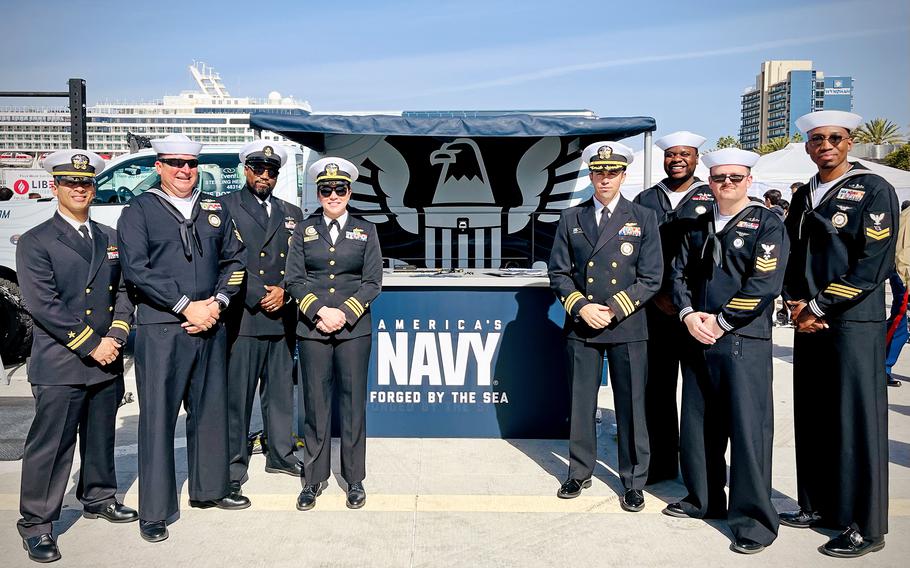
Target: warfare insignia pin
290	223
79	161
214	220
839	219
738	242
626	249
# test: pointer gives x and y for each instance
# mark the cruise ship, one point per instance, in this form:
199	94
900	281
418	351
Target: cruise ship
209	115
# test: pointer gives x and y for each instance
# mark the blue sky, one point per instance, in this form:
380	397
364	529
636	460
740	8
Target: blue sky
683	63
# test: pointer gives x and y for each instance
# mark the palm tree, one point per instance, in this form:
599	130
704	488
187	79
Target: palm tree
878	131
774	145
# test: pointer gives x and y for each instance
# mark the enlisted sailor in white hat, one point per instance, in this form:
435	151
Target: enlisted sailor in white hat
184	261
604	265
334	272
69	275
728	272
842	225
676	200
262	320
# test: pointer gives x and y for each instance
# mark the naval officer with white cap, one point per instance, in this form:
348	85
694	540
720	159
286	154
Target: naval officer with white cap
69	274
334	271
261	322
183	262
605	264
677	200
843	228
725	278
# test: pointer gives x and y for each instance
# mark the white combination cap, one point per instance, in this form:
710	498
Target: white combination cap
73	163
263	151
607	156
176	144
730	157
331	169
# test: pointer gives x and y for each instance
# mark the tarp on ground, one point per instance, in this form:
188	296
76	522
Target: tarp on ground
311	130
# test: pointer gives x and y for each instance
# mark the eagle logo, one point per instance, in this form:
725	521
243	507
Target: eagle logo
604	152
877	220
767	248
331	169
268	151
80	161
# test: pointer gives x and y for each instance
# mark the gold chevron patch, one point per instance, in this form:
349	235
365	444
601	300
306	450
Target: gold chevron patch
80	339
624	302
743	303
878	235
765	264
307	302
843	291
571	300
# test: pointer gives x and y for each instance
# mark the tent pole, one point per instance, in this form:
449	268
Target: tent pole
647	160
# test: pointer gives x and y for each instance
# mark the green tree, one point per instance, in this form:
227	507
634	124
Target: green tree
878	131
899	158
776	144
727	142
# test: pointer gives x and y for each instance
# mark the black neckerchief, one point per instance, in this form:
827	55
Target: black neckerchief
714	239
810	214
671	213
187	226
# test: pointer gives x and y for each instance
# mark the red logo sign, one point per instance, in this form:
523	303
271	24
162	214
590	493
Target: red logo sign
20	187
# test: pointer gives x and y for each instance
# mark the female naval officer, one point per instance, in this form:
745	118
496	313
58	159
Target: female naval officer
334	271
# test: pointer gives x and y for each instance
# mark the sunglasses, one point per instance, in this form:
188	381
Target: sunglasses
834	139
735	178
340	191
259	169
67	181
180	162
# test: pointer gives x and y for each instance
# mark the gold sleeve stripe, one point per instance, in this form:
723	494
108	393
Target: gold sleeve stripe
354	305
307	302
878	235
120	324
743	303
842	291
235	281
624	302
572	299
238	273
357	302
80	339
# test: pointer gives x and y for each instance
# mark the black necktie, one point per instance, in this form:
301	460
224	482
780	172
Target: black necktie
263	214
83	230
337	227
604	217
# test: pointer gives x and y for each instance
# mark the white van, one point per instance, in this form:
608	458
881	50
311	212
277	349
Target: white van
123	178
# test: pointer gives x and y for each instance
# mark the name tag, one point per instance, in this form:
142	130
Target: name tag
308	238
355	235
210	206
576	231
290	223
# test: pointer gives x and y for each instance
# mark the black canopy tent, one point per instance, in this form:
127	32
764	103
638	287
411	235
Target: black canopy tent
462	191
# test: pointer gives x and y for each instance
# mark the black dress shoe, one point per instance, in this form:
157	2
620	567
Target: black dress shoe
675	510
892	382
114	513
307	498
153	531
633	501
851	544
296	469
572	488
357	495
799	519
41	548
233	501
746	546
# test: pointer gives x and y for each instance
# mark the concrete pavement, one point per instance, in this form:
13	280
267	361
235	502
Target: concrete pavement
455	502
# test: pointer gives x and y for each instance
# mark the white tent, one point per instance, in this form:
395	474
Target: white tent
780	169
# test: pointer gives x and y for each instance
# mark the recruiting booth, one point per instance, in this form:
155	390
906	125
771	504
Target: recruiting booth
467	336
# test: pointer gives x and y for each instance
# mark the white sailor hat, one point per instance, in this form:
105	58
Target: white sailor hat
176	144
844	119
680	138
332	171
73	163
607	156
730	157
263	151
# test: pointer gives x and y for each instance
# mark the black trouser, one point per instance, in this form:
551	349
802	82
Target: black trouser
840	412
328	364
627	363
269	362
727	395
61	410
666	338
174	368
